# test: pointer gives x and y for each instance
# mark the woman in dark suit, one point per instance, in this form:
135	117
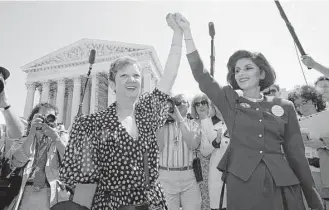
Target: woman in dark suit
260	176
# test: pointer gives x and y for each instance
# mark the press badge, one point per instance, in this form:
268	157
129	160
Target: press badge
277	110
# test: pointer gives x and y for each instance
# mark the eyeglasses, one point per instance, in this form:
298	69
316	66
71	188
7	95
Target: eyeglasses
305	102
197	104
323	79
178	103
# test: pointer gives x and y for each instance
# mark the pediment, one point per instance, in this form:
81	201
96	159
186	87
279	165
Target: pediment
80	50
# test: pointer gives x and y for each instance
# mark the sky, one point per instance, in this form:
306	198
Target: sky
30	30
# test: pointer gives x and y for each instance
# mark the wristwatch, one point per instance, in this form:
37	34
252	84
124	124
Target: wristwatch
4	108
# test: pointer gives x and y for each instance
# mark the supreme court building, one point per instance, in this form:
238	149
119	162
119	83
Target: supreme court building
59	77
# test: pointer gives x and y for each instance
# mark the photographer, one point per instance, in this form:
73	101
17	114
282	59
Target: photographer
40	152
177	140
15	127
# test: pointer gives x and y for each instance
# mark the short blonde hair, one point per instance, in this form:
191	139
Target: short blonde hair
119	64
201	96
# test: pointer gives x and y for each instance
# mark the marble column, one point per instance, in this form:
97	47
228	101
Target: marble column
60	99
76	97
53	93
147	79
94	93
29	99
111	96
68	110
45	91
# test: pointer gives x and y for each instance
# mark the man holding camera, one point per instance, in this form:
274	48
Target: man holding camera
14	126
14	129
39	154
178	139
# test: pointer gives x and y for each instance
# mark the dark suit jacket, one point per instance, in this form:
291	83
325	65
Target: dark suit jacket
267	131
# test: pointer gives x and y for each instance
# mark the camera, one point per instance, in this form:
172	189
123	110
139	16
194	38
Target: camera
171	106
171	110
49	120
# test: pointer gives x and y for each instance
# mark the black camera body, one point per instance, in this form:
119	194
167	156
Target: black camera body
49	120
2	85
171	110
172	105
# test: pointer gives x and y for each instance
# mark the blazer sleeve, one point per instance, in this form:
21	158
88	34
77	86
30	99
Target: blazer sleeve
295	153
223	97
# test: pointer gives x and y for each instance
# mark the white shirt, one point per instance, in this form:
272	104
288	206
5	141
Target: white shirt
208	134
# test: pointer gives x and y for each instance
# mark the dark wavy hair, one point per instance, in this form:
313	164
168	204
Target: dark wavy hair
36	110
259	59
308	93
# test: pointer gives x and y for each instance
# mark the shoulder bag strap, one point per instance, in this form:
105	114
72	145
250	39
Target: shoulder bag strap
146	170
226	161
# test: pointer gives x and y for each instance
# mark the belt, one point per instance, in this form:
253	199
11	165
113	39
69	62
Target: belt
185	168
30	183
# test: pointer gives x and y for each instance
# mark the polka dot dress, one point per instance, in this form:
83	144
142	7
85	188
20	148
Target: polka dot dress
101	151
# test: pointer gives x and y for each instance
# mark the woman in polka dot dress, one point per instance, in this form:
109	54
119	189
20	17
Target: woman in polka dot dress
108	147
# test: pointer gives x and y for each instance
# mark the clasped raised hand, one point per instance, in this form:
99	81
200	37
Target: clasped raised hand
170	18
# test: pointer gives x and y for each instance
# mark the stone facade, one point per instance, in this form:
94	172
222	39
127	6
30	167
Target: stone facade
59	77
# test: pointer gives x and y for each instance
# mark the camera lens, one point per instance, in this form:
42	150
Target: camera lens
1	86
50	118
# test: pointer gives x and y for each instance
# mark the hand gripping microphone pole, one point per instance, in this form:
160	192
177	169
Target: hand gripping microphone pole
212	56
92	56
290	28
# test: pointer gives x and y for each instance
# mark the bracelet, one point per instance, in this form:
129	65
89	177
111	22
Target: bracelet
7	107
175	53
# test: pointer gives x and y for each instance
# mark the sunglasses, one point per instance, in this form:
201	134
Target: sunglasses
271	91
197	104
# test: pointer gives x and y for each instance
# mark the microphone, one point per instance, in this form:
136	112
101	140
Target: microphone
211	29
92	56
212	56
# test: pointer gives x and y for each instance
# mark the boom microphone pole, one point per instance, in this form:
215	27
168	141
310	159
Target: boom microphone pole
92	56
290	28
212	55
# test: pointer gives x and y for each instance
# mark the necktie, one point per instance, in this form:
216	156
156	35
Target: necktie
39	180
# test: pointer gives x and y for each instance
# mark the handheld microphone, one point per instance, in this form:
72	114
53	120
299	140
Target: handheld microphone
211	29
212	56
92	56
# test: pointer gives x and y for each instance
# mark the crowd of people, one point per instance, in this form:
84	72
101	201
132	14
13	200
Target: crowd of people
236	146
